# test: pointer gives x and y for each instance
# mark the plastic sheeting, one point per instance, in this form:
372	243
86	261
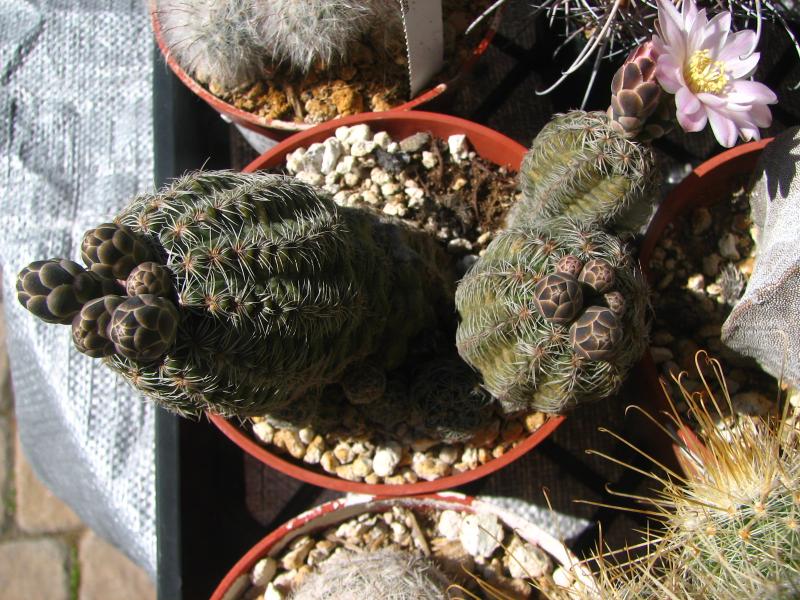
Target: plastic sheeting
76	143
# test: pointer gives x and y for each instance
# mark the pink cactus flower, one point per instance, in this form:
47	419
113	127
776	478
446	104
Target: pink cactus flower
705	66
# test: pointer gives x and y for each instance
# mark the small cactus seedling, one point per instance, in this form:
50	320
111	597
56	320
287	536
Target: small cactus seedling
266	293
542	338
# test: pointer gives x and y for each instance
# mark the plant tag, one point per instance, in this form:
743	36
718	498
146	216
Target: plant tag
423	25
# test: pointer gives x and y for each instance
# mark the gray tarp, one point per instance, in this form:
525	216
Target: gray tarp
76	143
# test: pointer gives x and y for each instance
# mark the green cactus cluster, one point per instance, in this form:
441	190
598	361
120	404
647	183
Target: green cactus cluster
552	315
581	166
268	292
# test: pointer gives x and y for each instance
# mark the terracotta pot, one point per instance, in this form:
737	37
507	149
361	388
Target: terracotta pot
489	144
706	185
336	511
277	129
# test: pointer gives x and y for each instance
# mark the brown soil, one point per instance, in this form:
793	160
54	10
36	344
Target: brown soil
373	78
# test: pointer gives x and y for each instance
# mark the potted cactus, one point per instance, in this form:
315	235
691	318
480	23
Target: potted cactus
453	407
418	548
281	65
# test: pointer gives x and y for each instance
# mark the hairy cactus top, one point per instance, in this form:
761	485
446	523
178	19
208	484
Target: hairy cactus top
542	338
268	292
581	167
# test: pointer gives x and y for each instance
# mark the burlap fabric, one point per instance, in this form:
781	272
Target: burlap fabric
765	323
76	143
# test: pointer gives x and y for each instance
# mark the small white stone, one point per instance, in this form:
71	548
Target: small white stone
389	189
347	164
264	431
386	459
394	209
312	160
359	133
459	246
298	551
352	179
470	456
457	144
343	452
264	571
330	181
382	139
380	176
310	177
448	454
527	561
481	534
696	283
416	196
306	435
342	133
332	150
727	247
415	142
370	197
362	148
410	183
294	161
484	238
340	198
272	593
449	524
458	184
393	147
429	159
314	451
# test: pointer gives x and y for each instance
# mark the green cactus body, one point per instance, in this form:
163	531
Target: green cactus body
279	291
511	334
580	167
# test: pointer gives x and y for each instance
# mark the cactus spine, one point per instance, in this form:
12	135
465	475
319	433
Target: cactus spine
518	317
277	292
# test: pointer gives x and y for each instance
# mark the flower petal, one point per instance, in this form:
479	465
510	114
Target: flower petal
692	121
724	128
716	34
750	92
738	68
696	32
689	13
712	100
671	27
761	114
686	101
738	45
669	74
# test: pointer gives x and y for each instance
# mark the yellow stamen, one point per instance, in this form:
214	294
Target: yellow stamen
705	75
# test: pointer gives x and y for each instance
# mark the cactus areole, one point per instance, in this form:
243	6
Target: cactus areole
246	292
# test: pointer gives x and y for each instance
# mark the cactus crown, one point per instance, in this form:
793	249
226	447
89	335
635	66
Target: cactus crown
579	166
266	294
519	326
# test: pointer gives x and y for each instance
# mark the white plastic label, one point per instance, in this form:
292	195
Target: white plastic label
424	29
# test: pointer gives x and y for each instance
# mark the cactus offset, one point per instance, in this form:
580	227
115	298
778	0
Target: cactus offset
277	292
542	339
579	166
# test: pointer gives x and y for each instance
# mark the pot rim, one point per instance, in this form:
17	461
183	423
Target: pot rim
326	514
258	124
428	121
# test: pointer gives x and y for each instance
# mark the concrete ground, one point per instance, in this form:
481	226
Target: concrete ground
46	552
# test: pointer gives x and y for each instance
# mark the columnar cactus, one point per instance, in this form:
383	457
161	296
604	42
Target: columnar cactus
542	337
580	166
266	293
